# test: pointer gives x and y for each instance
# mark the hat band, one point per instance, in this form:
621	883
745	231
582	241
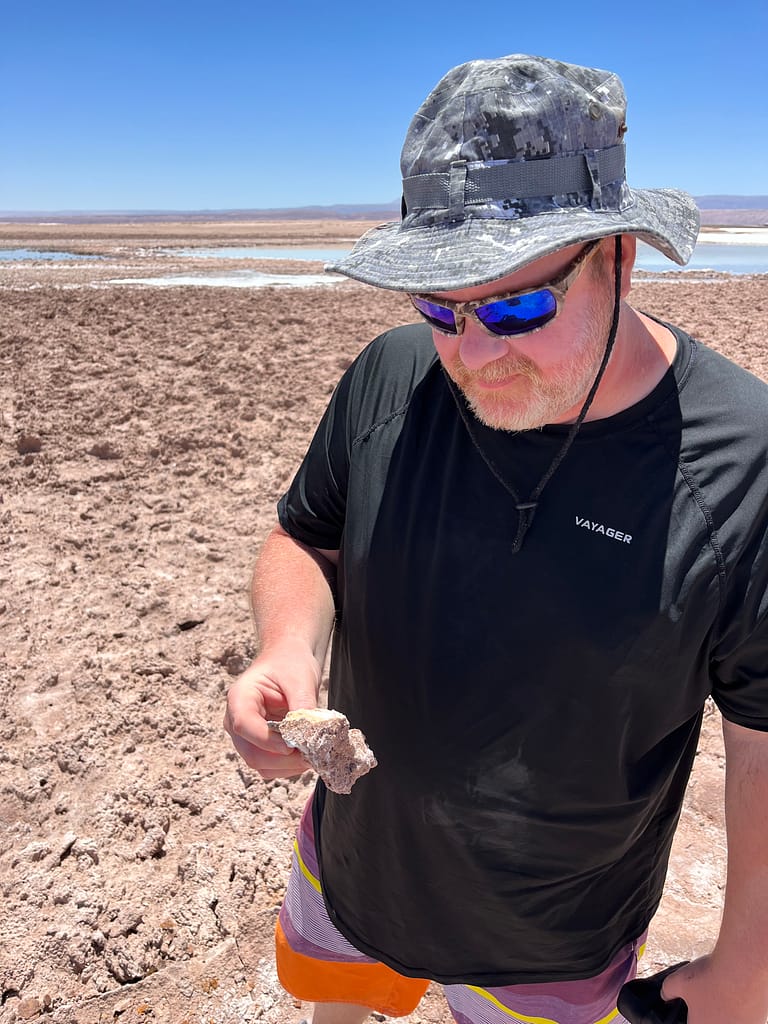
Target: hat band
475	184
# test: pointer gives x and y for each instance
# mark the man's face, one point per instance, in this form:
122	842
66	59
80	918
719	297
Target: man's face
524	382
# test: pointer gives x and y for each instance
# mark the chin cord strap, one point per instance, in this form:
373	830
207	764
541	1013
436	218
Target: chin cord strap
527	509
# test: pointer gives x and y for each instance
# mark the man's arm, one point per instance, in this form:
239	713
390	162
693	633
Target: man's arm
293	610
731	984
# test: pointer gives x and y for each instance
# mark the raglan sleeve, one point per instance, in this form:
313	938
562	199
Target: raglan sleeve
376	387
313	509
725	419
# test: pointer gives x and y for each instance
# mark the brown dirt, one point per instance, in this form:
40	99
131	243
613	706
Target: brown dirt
145	437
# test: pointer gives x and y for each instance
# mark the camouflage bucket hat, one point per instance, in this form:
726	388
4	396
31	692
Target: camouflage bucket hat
507	161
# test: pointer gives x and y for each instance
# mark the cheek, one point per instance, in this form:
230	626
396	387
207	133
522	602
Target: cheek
447	347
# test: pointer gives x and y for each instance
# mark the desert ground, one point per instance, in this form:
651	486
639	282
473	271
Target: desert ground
146	435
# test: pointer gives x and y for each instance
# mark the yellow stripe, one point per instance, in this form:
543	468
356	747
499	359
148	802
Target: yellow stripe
304	869
505	1009
610	1016
530	1020
641	951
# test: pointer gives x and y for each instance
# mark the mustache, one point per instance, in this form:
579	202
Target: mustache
497	371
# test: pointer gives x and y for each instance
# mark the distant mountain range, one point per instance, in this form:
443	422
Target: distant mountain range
725	211
373	211
732	202
733	211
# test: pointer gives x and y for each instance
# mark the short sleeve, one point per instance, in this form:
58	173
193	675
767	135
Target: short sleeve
313	508
739	664
740	684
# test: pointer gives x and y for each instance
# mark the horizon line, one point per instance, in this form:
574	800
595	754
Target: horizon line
392	206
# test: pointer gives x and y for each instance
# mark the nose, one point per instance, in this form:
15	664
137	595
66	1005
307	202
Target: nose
478	348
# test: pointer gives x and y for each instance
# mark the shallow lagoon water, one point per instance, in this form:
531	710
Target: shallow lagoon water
730	257
12	255
707	258
234	279
258	253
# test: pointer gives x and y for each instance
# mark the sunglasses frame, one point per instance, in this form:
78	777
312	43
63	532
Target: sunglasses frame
558	286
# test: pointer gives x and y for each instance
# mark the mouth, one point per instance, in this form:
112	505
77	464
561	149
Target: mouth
497	385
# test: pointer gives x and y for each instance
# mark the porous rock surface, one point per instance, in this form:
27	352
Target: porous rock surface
339	755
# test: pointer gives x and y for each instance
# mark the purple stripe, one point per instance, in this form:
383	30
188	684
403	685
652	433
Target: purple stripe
303	917
460	1018
305	836
306	948
567	1002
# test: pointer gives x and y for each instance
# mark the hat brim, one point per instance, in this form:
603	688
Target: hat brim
474	251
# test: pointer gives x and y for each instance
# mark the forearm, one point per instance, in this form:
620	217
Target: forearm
293	610
741	947
731	984
292	597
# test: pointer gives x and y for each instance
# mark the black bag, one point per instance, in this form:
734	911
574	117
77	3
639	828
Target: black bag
641	1003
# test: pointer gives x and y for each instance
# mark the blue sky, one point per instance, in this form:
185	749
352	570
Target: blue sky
271	103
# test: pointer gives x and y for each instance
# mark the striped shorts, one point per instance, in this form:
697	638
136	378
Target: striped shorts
315	963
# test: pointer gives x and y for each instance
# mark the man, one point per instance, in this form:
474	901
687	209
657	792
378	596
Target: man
536	525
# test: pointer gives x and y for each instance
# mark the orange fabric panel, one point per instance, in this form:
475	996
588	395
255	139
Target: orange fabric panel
326	981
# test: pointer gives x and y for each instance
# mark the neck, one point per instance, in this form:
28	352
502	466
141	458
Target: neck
642	354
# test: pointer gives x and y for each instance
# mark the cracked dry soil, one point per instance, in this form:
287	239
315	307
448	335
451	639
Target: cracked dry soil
146	436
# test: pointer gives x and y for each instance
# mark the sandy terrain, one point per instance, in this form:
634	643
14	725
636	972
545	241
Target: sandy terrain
145	437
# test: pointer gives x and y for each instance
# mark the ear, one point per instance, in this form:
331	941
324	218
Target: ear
628	254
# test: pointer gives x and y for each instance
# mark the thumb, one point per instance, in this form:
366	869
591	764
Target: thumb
673	985
302	697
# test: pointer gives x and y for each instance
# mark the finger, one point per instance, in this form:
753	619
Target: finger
270	776
673	986
669	990
283	765
253	729
290	769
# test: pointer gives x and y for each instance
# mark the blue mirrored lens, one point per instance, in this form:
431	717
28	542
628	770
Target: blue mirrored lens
437	315
518	314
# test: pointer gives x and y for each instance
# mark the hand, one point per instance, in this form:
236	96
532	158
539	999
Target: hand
712	998
282	680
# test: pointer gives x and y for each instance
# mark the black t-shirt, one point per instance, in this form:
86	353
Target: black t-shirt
534	715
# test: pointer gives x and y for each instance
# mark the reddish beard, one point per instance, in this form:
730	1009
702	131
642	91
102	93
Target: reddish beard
495	372
534	397
537	396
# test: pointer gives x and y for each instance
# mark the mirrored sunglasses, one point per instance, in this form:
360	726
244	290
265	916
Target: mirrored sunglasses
509	314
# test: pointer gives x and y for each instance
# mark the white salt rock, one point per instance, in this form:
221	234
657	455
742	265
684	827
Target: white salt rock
338	754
